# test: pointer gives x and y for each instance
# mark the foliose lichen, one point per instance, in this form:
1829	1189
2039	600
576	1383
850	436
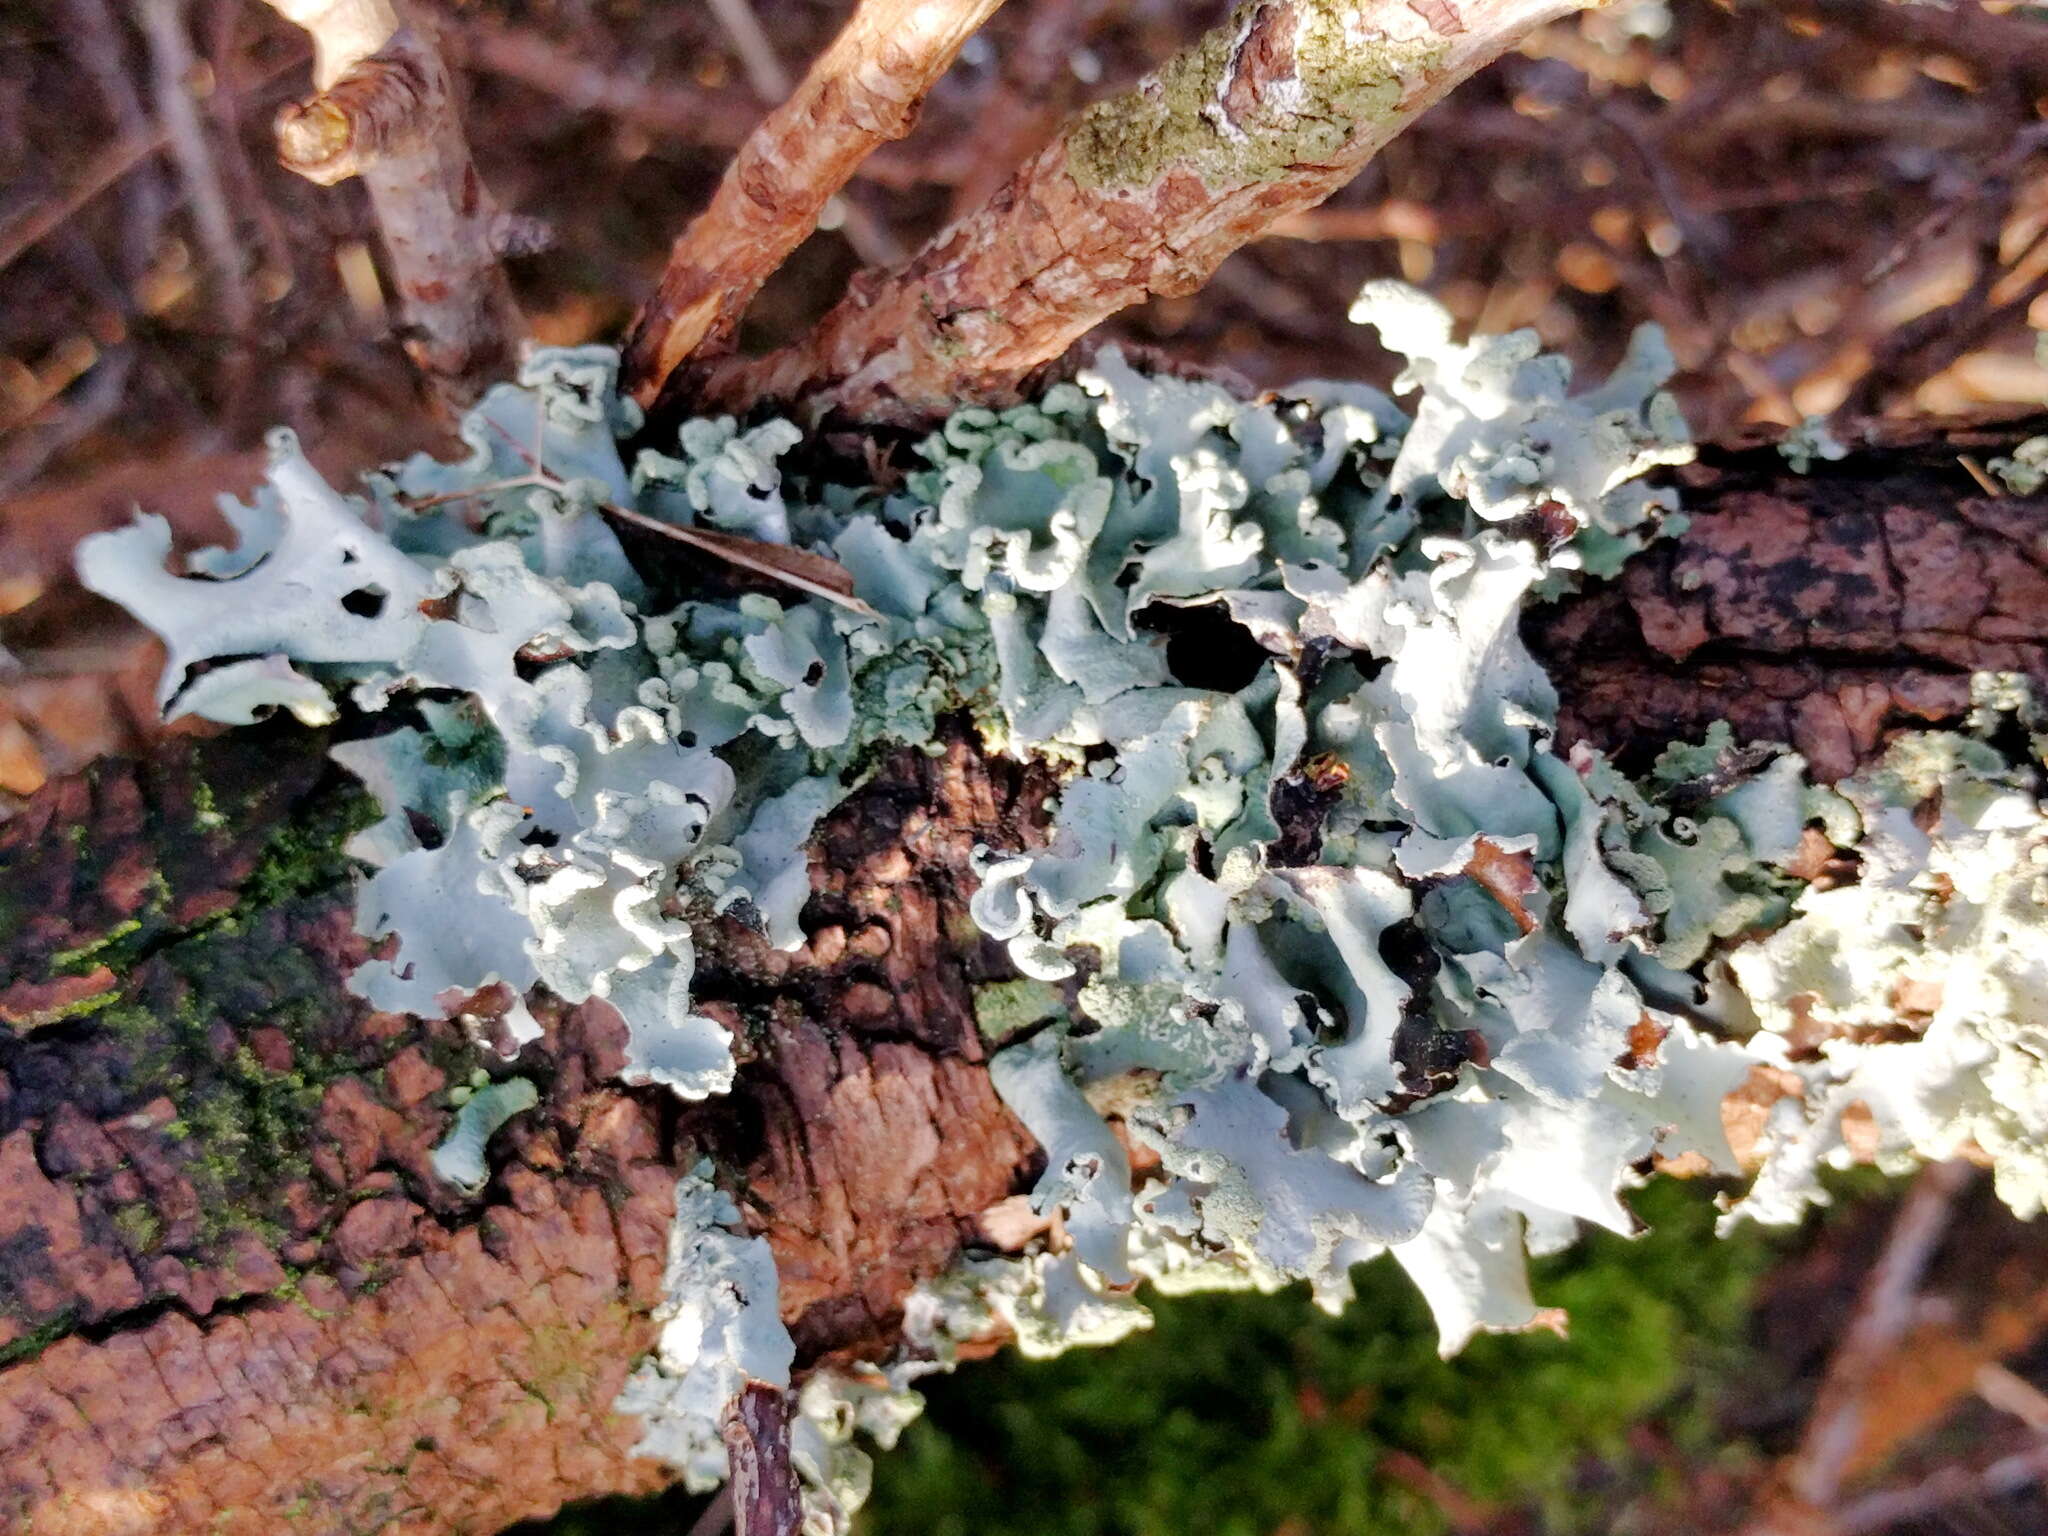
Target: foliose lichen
1335	934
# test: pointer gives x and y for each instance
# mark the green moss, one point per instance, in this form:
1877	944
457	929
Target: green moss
1241	1415
139	1227
38	1339
76	962
1175	119
1006	1008
305	851
288	1290
78	1008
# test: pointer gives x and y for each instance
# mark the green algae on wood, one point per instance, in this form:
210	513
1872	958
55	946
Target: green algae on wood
1341	83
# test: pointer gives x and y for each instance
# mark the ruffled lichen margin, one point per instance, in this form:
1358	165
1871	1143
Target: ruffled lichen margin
1327	937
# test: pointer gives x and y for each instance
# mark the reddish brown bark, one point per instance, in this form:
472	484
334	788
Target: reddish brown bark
1091	224
230	1289
314	1327
1826	610
862	92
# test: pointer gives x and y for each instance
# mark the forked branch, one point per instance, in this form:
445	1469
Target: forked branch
862	92
1142	194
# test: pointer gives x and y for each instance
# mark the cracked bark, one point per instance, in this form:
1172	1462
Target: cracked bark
231	1298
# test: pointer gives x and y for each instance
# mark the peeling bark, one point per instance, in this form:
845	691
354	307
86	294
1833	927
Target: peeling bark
232	1299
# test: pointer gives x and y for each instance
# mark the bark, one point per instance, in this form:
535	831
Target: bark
1825	610
387	112
231	1298
864	91
1143	194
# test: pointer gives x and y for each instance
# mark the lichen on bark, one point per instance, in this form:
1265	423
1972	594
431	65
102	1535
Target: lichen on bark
1282	84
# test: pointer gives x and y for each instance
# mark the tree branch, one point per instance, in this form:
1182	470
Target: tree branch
1145	193
170	51
862	92
387	112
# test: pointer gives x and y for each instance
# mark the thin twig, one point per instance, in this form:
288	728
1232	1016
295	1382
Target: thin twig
36	223
1887	1508
758	57
864	90
2009	1392
1883	1314
1143	194
108	165
772	561
869	237
170	48
97	43
737	550
677	113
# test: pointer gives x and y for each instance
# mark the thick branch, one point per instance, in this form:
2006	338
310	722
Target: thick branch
387	112
862	92
1145	193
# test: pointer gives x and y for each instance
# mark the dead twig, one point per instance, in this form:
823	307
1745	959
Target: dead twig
175	69
1145	193
1887	1508
387	112
678	114
97	43
812	574
39	221
869	237
765	1498
1884	1312
863	91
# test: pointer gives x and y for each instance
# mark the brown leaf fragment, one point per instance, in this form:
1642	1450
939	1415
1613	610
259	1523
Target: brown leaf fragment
1509	878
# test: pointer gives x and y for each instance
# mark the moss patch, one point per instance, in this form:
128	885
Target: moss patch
1244	1415
38	1339
1006	1008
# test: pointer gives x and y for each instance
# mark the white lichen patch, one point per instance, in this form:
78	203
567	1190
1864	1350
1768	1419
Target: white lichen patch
1325	926
1945	932
719	1331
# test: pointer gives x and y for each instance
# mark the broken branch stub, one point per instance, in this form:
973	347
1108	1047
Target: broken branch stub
386	111
1145	193
862	92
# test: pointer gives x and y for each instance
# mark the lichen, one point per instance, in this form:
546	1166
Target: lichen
1358	960
1345	79
460	1156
